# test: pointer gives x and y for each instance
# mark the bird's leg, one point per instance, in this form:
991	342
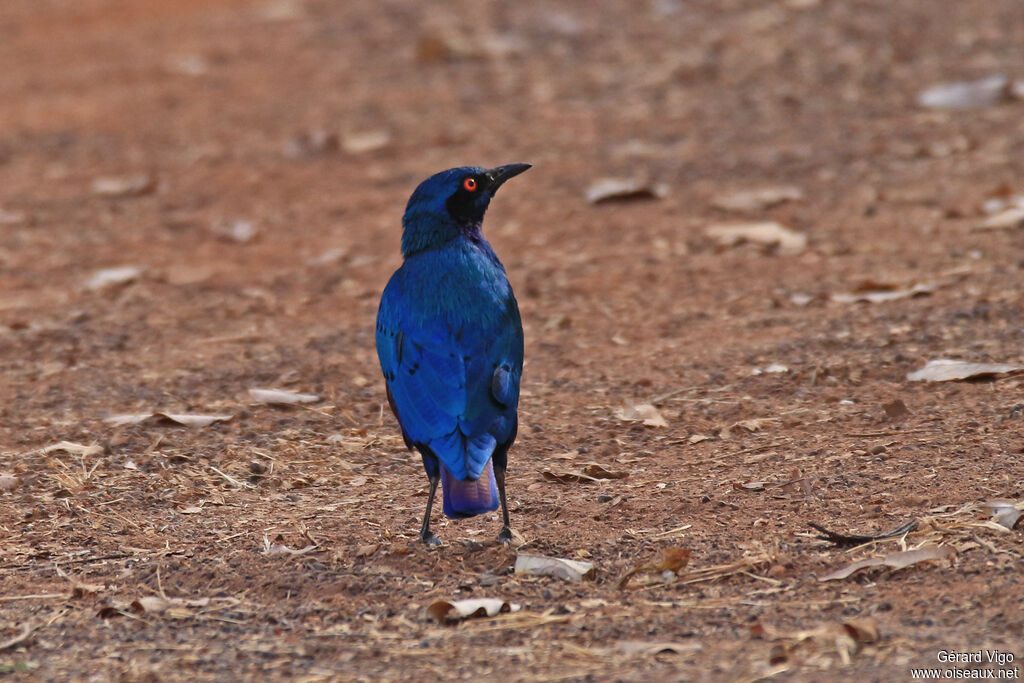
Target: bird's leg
425	534
505	536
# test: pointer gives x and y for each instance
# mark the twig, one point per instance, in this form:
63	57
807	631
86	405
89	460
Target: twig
851	539
26	631
37	596
232	480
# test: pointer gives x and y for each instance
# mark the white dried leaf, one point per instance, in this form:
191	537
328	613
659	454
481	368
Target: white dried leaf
1004	512
124	186
188	420
946	370
1004	220
107	277
562	568
75	448
883	294
446	611
757	200
983	92
623	189
644	412
12	217
369	141
281	397
9	482
768	234
899	560
649	648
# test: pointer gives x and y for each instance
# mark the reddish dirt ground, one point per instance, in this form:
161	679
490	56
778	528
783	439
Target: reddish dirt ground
263	249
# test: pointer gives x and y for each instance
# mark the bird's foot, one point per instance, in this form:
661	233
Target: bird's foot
430	540
505	536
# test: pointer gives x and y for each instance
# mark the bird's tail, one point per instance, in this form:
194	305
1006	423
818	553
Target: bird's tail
469	498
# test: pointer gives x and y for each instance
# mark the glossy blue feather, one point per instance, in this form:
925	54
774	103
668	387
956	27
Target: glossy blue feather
450	339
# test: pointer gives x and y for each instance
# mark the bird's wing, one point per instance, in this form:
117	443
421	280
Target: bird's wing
454	392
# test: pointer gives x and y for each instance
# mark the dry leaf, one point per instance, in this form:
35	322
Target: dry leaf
644	412
983	92
878	293
643	647
900	560
769	234
570	570
896	410
449	611
369	141
1005	220
945	370
591	472
1004	512
108	277
757	200
672	559
124	186
281	397
75	449
623	189
183	419
310	143
9	482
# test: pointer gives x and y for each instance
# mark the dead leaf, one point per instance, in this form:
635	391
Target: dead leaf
562	568
109	277
1005	220
946	370
896	410
9	482
749	486
176	608
757	200
961	95
648	648
75	449
124	186
1005	513
644	413
591	472
188	420
366	550
900	560
768	234
12	217
623	189
450	611
368	141
311	143
878	293
281	397
863	630
672	559
238	230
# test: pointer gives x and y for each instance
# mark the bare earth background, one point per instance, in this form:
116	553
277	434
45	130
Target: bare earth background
250	162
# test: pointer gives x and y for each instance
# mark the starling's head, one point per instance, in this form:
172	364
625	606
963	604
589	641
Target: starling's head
450	203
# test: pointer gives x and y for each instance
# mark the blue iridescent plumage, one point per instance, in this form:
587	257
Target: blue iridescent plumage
450	343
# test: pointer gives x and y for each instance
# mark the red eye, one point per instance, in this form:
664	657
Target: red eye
469	184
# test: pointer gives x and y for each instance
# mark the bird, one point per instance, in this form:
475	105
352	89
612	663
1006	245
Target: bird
450	343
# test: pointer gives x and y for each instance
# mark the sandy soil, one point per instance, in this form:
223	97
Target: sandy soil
250	161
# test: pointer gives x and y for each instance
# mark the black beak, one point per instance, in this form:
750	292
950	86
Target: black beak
498	175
